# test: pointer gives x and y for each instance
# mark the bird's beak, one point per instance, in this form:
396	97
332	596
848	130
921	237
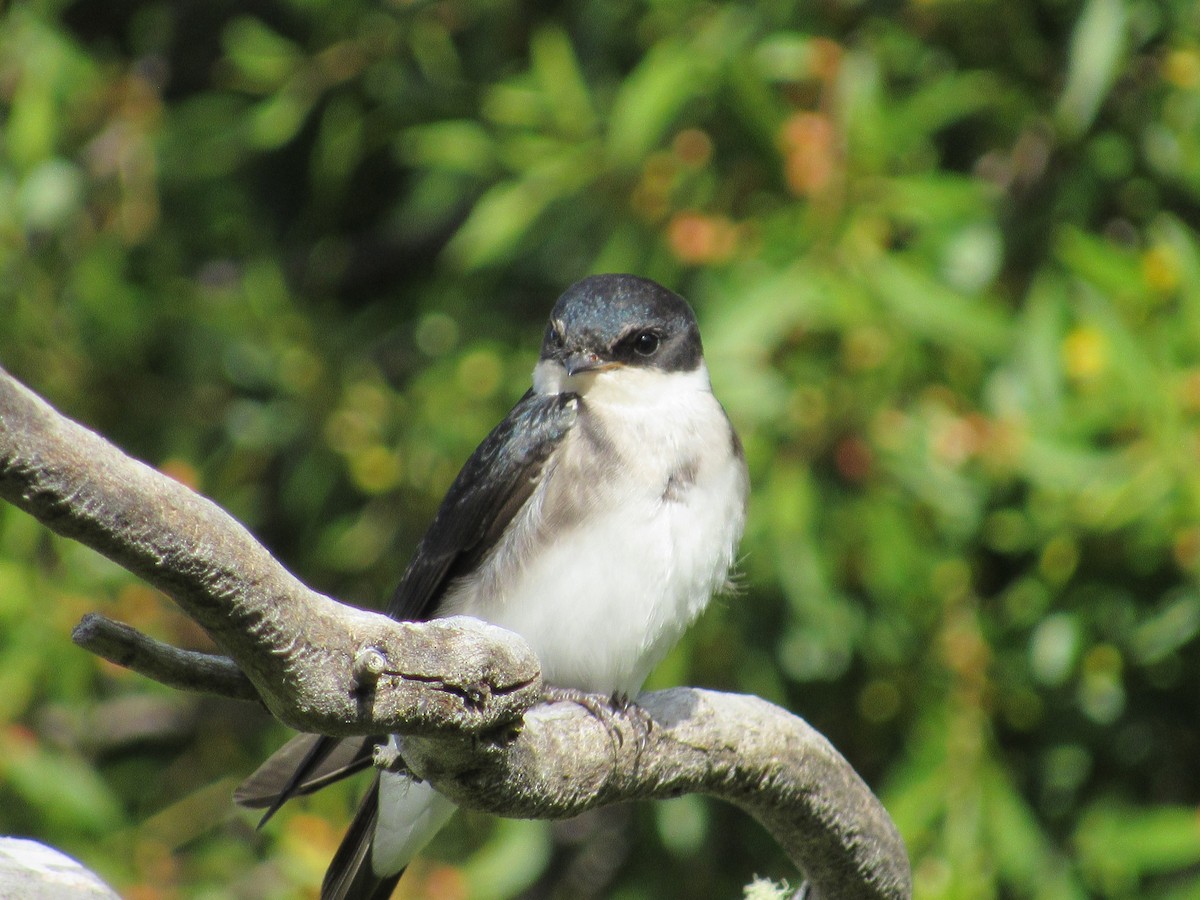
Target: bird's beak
579	363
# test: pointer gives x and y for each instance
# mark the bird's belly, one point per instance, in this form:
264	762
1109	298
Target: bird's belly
594	608
600	603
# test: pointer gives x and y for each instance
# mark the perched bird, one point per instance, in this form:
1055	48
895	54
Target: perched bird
596	521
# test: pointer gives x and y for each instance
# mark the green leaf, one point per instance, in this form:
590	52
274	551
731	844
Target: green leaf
1112	269
41	66
503	215
278	118
338	149
944	101
498	222
929	309
557	70
1122	841
65	789
263	58
1020	845
513	858
651	99
1094	58
458	145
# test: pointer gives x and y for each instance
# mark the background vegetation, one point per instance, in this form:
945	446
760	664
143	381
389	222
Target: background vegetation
946	259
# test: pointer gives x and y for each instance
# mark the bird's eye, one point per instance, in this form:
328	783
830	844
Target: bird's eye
645	344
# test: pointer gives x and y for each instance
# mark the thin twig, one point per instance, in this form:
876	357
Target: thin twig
186	670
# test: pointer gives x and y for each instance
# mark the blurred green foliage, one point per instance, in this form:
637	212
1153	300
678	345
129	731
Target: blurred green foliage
947	263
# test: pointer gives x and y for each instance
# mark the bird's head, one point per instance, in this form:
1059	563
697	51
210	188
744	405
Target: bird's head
610	322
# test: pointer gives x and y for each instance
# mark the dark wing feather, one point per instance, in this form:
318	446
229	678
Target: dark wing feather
492	486
350	876
306	763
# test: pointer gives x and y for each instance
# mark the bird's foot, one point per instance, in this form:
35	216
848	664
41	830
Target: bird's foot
605	711
638	715
599	709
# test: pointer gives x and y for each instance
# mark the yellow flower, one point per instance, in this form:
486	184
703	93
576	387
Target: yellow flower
1085	353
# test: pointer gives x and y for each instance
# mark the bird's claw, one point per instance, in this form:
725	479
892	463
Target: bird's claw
605	712
638	716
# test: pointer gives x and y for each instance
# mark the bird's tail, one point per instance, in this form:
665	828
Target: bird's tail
398	816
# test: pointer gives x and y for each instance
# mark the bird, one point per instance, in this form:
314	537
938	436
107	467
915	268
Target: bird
596	521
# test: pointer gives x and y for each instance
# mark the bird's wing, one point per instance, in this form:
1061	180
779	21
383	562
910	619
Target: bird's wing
492	486
489	491
306	763
350	876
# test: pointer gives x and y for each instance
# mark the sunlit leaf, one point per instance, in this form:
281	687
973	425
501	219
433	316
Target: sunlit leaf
263	57
557	69
1096	48
510	861
934	311
1115	839
63	788
652	98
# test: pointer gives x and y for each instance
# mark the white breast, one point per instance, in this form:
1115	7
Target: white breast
632	528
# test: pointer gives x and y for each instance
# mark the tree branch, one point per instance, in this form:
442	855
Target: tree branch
457	688
735	747
296	646
186	670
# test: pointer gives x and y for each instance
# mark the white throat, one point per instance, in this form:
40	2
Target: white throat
627	384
